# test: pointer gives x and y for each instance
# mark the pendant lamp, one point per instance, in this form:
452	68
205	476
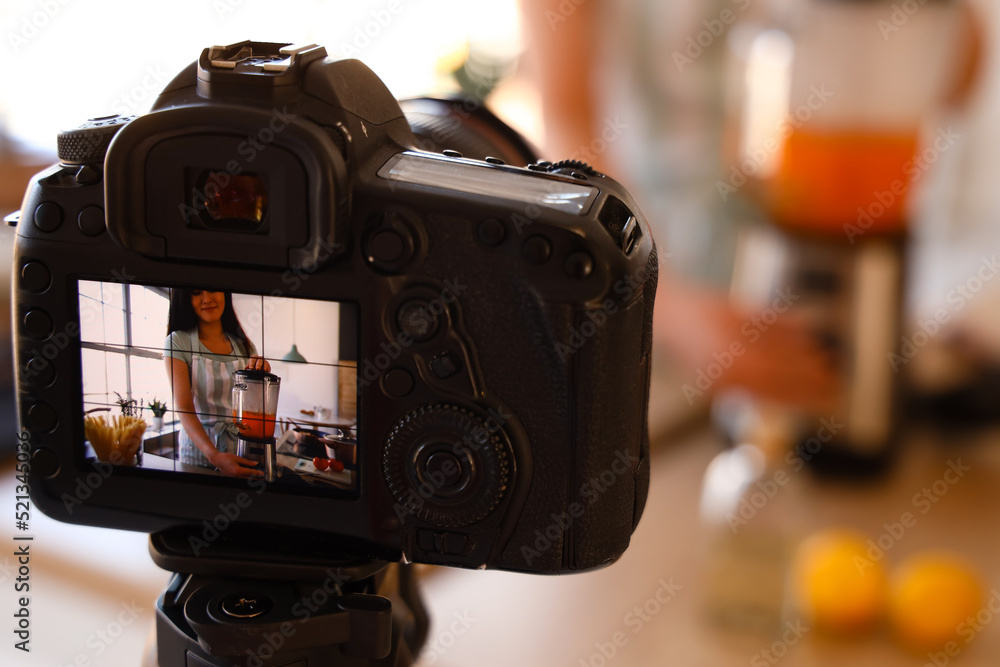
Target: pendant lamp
294	354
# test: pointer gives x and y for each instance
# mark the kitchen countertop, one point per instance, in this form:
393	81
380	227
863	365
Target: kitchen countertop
656	604
652	607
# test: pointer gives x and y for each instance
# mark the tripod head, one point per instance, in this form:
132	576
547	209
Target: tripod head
244	603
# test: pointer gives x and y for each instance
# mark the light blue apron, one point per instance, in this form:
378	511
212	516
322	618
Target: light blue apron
212	391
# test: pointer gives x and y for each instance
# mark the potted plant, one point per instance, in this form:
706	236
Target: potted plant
158	408
129	406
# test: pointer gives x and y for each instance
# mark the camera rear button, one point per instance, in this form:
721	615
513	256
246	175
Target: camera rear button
491	232
537	249
386	246
579	265
397	382
35	277
91	220
39	371
416	318
445	365
42	417
38	324
44	463
48	216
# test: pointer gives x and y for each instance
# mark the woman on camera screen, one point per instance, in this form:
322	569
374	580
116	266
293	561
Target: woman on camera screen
205	345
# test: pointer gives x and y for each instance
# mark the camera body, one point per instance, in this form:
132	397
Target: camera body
497	317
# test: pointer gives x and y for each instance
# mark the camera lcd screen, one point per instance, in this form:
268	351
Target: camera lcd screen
219	384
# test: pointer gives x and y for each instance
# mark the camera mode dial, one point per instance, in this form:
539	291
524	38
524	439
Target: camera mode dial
446	465
575	168
88	143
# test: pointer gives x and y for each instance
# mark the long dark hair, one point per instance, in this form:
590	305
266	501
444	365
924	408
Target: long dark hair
182	317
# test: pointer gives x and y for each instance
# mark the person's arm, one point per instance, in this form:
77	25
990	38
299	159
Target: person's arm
180	382
561	49
696	325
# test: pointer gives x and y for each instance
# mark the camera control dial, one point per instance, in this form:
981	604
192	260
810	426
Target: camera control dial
576	168
88	143
446	465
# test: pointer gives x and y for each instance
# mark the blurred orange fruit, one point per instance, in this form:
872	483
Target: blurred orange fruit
837	585
932	597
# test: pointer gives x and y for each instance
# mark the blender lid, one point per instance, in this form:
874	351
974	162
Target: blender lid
253	374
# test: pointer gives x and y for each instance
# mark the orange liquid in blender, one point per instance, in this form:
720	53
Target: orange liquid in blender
828	180
255	425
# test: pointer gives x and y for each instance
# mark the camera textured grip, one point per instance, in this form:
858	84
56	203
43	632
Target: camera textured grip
446	465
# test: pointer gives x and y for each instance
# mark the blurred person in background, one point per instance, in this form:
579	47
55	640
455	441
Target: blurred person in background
667	122
637	88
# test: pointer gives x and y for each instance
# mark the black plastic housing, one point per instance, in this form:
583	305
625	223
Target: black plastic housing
551	326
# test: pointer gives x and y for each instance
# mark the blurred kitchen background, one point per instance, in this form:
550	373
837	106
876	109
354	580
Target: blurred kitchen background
820	176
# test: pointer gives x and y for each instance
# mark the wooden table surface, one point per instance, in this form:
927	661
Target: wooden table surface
659	604
651	608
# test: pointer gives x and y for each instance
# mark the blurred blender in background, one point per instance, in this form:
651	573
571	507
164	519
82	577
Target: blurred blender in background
754	133
835	116
610	88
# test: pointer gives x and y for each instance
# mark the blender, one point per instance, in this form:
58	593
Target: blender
834	101
255	404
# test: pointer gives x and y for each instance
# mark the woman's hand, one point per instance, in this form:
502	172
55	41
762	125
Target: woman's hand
782	361
233	465
258	364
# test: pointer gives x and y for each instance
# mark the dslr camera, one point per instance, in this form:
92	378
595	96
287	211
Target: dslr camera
462	344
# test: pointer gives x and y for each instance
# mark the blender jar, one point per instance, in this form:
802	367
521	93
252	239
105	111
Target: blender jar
255	403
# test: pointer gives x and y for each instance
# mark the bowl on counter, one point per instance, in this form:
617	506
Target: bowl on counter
342	448
309	442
